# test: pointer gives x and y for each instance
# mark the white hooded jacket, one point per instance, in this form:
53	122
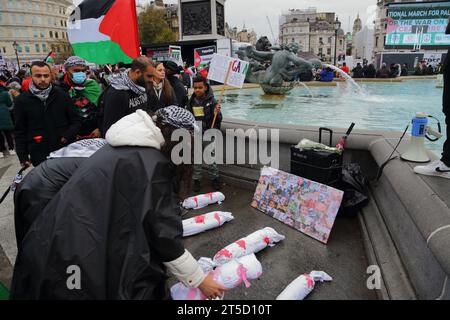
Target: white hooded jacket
135	130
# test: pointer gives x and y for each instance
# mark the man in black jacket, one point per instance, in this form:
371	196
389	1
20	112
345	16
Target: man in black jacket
45	120
358	71
126	93
84	93
173	71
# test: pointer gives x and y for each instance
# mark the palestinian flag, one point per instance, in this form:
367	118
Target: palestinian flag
105	31
50	57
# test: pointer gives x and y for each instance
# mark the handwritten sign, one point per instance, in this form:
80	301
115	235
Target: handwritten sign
219	68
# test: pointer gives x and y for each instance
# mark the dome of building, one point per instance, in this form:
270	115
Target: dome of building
357	25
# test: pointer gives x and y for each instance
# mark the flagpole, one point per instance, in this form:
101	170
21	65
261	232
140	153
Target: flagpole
222	94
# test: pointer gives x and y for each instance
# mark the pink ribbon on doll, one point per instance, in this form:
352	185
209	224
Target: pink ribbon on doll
192	294
217	217
309	281
242	274
196	201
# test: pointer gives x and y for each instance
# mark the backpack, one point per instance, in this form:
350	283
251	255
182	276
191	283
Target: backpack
355	187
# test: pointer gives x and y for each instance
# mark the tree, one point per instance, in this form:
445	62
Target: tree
62	49
153	29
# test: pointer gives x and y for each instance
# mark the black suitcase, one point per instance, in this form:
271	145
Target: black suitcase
320	166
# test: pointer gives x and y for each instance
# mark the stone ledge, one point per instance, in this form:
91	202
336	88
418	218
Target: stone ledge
411	208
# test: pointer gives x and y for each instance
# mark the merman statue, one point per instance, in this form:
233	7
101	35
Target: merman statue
285	66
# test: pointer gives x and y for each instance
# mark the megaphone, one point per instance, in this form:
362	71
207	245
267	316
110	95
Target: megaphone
416	151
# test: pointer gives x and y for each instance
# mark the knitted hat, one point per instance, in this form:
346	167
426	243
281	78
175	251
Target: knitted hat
74	61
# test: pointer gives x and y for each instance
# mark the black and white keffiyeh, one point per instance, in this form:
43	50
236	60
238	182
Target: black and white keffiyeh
79	149
74	61
41	94
177	117
121	81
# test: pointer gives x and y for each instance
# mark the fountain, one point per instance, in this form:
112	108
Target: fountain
276	69
307	88
347	77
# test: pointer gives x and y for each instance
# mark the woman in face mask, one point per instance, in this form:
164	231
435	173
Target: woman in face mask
160	92
85	93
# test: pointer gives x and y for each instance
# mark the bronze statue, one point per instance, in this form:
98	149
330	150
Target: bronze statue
285	66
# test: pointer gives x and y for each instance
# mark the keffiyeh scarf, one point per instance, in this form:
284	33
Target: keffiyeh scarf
41	94
121	81
74	61
177	117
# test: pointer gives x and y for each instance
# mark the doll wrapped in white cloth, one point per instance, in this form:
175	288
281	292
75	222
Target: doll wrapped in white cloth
230	275
253	243
205	222
303	285
203	200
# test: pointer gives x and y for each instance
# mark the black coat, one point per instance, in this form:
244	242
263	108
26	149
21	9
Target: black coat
86	110
180	91
37	189
186	80
52	120
204	112
446	72
117	219
358	72
155	103
116	104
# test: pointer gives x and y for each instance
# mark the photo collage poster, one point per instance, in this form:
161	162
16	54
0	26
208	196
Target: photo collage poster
307	206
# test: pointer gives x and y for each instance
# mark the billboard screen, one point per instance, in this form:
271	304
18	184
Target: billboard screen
418	25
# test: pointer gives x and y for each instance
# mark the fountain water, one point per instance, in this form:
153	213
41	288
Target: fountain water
346	76
307	88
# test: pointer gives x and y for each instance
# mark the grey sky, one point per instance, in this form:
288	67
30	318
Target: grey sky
254	12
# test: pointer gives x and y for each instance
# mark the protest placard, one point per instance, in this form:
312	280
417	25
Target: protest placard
175	55
203	56
229	71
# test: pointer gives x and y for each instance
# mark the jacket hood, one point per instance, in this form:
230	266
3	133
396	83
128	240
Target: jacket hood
135	130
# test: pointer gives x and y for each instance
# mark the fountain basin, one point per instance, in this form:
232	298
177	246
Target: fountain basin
406	227
269	90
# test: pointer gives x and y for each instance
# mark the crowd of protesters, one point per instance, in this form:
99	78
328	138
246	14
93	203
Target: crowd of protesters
43	108
369	71
135	110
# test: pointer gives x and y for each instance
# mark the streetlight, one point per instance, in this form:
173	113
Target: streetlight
337	27
15	45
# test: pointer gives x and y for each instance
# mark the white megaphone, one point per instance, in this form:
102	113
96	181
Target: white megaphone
416	151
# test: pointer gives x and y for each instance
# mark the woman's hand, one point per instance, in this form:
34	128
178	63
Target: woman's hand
211	289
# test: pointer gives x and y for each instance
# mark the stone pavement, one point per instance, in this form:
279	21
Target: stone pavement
9	166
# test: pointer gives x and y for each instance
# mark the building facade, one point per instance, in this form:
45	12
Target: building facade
37	27
241	36
315	32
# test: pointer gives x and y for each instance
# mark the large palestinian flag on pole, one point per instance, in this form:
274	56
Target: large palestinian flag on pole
105	31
